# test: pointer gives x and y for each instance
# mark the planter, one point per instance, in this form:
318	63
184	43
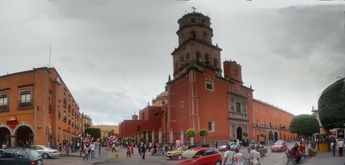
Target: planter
246	143
323	147
191	146
205	145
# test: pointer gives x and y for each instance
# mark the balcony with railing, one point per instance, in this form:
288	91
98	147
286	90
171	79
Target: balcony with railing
238	116
25	105
4	108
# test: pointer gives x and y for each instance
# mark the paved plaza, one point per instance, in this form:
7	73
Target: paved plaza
108	157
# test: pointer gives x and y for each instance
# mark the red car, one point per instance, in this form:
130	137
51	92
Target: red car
278	146
198	156
222	148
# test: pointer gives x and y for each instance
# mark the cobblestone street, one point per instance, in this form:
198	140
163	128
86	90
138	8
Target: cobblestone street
108	157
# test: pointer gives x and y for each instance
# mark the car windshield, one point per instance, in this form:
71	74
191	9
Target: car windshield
278	143
34	154
188	153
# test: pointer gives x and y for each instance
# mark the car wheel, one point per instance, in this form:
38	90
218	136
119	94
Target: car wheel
45	156
218	163
179	157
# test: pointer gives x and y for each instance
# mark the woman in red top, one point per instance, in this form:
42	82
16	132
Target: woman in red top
294	152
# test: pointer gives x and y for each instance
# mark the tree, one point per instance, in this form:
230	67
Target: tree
332	105
245	134
191	134
304	125
203	132
94	132
263	135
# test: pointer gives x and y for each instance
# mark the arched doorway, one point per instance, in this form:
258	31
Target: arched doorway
239	133
270	135
24	136
275	136
5	136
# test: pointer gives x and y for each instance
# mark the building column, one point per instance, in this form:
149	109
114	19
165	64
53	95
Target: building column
153	136
13	140
160	137
182	138
171	138
147	137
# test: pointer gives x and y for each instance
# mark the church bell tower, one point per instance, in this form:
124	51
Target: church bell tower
195	48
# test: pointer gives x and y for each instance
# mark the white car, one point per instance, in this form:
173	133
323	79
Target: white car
46	152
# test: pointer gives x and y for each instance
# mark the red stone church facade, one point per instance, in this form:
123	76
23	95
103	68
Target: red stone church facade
200	96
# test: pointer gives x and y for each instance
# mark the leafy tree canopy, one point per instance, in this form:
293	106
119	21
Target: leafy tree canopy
190	132
203	132
332	105
245	134
94	132
304	125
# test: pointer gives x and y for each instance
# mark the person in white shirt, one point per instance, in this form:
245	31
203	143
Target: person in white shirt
254	156
228	156
92	148
238	158
340	146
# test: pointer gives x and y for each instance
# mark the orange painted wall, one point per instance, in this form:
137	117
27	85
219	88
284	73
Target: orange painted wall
264	114
43	84
213	106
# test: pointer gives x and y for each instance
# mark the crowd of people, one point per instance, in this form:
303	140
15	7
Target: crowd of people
142	147
233	156
337	143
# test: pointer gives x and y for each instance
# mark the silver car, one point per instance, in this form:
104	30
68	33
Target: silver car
46	152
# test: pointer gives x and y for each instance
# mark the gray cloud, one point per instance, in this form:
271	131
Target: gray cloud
115	55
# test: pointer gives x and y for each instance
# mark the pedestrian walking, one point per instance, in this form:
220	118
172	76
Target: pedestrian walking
132	148
340	146
113	147
239	158
99	149
139	148
254	156
85	152
143	150
228	156
333	145
129	151
92	148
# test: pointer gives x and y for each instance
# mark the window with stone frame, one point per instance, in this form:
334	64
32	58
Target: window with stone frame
238	107
211	126
207	59
198	57
209	85
3	101
181	105
25	97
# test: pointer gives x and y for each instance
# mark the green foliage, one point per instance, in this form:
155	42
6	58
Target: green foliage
141	138
203	132
304	125
190	132
94	132
263	135
245	134
332	105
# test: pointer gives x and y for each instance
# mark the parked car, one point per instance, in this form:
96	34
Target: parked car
222	148
46	152
20	156
278	146
176	154
202	155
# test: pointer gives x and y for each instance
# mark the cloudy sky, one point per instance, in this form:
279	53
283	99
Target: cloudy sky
114	55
